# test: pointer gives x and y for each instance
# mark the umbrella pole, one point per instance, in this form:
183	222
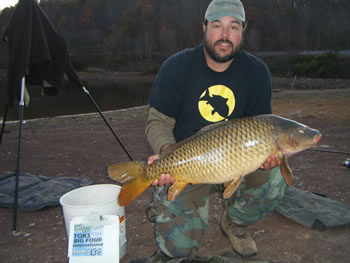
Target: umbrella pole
15	202
3	122
109	126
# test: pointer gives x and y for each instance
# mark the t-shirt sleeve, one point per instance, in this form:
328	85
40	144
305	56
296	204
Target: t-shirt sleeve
159	130
166	91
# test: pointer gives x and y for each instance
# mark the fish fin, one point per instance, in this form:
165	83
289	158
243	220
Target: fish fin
132	174
286	171
231	188
175	189
227	184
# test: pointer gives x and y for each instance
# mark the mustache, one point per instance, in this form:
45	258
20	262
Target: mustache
222	41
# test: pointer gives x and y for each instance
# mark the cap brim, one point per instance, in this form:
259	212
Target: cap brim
217	16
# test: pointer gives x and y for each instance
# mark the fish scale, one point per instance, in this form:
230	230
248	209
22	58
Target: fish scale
219	153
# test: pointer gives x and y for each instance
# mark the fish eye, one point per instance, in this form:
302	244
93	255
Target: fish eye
301	131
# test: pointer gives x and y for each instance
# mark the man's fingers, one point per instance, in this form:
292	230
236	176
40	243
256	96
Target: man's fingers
271	162
155	182
151	159
167	179
275	161
164	179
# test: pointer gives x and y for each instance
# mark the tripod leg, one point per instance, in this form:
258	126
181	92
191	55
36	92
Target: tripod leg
15	202
3	122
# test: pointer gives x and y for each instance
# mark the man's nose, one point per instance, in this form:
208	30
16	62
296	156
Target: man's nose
225	33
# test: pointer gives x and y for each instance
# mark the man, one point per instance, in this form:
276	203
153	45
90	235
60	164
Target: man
215	81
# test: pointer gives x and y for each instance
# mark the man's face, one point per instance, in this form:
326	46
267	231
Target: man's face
223	38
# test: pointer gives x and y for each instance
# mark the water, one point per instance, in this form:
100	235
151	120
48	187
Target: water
110	91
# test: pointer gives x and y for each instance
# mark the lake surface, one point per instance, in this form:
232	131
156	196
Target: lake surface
111	91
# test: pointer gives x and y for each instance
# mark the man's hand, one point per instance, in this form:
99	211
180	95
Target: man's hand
271	162
164	179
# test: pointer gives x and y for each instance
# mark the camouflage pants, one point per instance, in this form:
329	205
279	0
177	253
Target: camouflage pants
180	224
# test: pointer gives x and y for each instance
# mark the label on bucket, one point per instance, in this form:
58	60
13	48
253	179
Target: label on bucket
122	235
94	239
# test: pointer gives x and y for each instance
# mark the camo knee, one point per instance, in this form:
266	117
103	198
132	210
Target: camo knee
252	202
180	224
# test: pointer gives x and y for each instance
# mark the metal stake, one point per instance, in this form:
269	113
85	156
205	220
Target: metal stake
15	202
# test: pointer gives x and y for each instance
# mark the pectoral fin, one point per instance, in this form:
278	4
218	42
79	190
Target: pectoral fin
286	171
231	188
227	184
175	189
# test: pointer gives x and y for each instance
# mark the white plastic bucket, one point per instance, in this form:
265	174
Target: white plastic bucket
99	198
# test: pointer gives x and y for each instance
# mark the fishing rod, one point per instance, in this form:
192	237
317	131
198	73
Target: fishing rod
329	151
346	162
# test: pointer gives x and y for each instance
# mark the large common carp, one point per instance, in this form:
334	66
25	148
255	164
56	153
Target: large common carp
219	153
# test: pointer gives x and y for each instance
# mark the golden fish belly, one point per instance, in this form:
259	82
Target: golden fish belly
219	155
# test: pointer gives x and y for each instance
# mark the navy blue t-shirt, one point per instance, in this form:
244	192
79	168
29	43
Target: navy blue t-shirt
187	90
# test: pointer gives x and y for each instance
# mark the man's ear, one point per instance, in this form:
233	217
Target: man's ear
245	24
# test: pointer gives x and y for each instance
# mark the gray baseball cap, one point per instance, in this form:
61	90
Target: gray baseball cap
220	8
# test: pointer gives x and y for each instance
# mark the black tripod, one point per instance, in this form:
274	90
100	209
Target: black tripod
20	119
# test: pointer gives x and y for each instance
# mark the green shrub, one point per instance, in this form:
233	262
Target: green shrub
320	66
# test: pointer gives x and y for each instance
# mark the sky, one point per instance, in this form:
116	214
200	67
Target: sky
7	3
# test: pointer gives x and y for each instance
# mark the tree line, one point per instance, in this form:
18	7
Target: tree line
135	34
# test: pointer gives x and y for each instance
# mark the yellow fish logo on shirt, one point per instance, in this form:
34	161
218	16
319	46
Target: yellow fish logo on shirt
216	103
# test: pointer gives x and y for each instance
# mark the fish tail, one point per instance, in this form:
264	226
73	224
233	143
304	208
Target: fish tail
133	175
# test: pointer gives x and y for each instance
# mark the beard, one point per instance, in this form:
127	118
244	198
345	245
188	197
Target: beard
210	48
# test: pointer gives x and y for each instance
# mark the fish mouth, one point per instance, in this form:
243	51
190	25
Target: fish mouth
317	139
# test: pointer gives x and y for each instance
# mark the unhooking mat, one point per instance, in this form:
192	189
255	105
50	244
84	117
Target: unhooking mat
312	210
227	257
36	191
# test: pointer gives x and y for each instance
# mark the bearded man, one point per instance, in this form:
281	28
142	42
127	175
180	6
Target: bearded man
212	82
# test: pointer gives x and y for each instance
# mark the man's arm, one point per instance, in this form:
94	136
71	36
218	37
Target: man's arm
159	131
